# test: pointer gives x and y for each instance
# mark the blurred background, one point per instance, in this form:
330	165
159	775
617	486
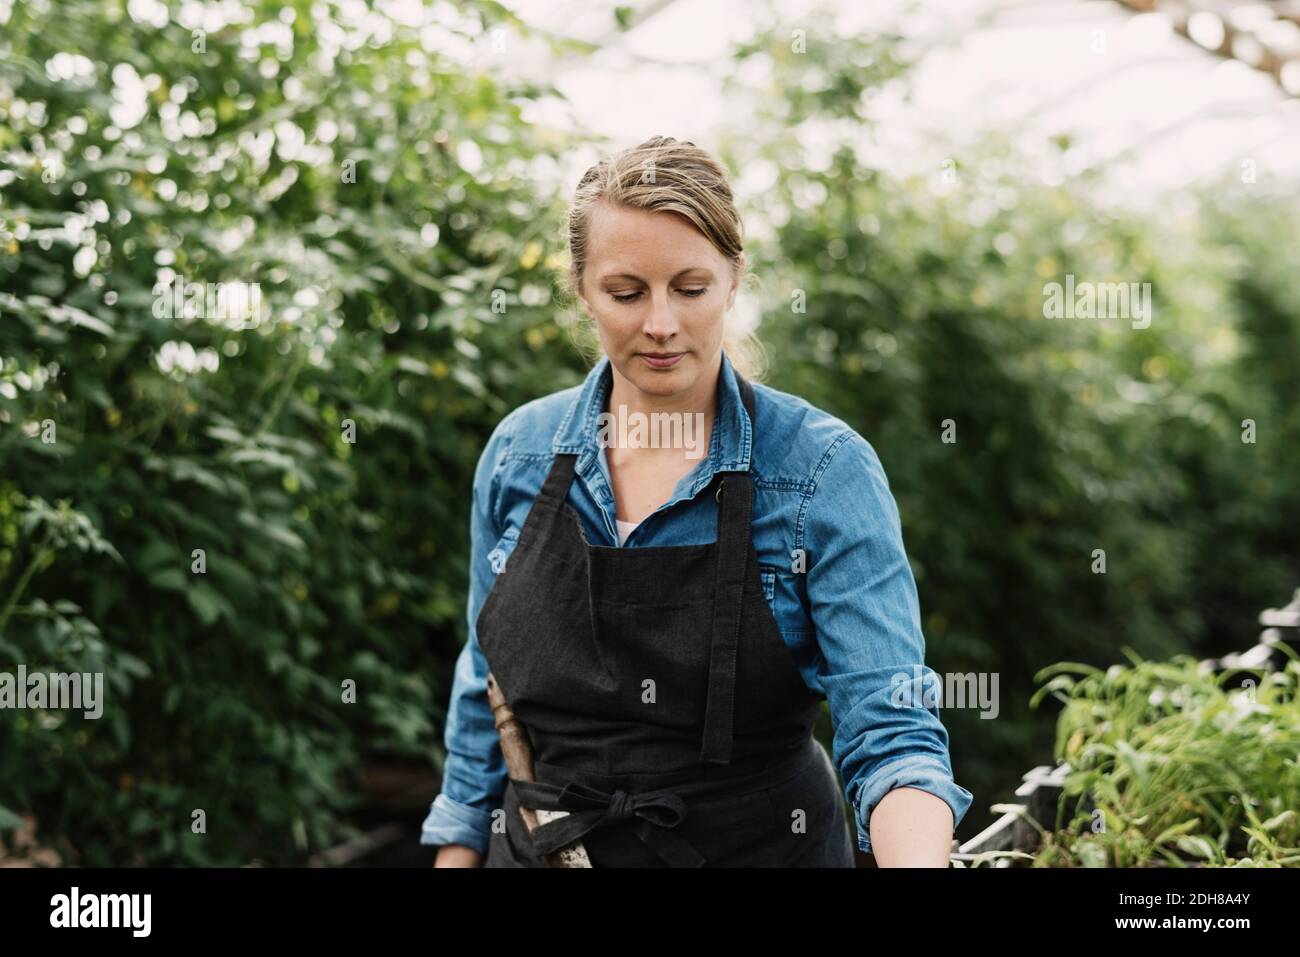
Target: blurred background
241	511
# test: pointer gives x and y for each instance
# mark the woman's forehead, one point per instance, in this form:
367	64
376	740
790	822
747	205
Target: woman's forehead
633	240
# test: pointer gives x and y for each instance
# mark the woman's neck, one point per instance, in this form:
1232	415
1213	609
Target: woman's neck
695	410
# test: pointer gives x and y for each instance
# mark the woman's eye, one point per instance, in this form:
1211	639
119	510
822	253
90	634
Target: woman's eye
689	293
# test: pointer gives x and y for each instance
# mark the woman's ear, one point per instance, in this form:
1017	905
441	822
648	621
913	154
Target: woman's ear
582	300
736	273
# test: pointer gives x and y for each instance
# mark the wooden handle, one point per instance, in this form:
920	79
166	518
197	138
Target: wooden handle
518	755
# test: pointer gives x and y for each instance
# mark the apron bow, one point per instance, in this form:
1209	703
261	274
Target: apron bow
652	814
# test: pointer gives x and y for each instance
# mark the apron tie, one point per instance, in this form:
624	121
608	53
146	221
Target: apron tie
652	815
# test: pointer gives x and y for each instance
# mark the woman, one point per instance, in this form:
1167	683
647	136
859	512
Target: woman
665	617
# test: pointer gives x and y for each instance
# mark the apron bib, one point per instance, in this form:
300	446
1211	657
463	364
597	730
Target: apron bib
665	711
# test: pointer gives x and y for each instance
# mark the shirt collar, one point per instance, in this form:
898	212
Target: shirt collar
730	445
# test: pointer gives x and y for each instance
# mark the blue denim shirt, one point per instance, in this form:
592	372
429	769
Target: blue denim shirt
830	548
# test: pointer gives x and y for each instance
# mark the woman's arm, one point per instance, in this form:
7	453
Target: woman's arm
911	828
474	773
457	855
890	747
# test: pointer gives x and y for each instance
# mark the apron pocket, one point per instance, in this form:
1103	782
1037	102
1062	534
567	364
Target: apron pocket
805	808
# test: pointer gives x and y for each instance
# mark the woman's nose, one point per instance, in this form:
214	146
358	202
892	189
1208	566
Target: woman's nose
660	323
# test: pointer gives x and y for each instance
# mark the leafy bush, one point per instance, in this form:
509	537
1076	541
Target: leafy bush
373	192
905	302
1176	765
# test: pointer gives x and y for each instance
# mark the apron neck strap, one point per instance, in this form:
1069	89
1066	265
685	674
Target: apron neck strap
735	497
555	489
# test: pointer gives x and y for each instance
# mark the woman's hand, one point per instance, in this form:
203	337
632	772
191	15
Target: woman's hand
457	855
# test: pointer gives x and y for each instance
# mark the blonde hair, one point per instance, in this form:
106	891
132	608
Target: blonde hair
661	175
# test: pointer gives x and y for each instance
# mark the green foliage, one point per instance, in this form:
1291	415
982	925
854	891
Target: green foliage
348	184
902	302
1173	764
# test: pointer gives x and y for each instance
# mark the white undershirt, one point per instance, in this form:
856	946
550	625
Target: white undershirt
624	529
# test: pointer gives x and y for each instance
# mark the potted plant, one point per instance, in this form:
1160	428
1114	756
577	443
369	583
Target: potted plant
1178	763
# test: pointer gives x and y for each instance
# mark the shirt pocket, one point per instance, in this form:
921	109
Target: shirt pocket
782	589
502	550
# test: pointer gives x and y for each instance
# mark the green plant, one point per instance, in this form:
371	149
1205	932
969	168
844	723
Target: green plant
1171	764
287	489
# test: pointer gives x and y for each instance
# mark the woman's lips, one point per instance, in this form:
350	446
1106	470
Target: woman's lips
662	362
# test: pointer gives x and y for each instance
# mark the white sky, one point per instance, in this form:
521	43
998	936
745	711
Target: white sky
1154	111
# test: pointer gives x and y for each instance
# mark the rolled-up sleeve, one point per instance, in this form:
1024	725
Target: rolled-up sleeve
863	602
450	822
474	774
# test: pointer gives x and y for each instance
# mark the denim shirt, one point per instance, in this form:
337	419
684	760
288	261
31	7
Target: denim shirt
829	542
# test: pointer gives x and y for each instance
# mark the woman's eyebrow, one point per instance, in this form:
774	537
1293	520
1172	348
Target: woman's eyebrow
703	270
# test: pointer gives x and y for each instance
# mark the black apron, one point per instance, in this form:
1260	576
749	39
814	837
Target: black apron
665	711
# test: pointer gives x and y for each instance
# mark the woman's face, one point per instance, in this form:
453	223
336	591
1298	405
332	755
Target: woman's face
658	292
